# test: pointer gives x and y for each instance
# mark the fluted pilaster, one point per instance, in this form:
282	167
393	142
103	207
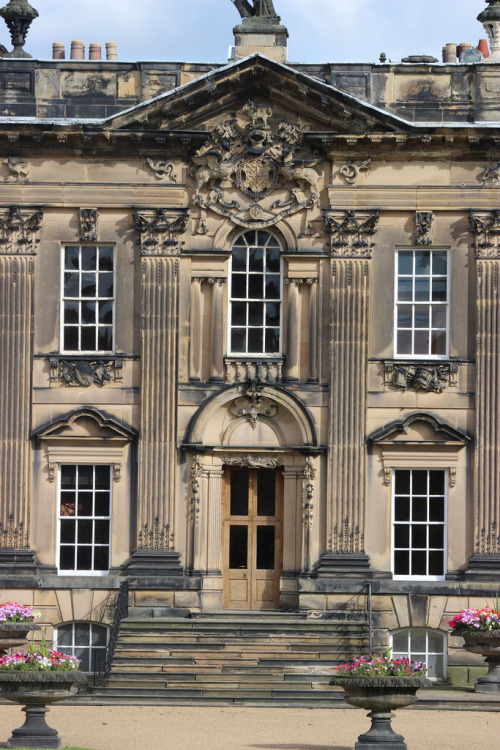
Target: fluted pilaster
19	229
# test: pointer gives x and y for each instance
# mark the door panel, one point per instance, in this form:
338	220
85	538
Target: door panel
252	529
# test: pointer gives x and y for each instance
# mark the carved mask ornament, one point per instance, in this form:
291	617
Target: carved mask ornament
252	404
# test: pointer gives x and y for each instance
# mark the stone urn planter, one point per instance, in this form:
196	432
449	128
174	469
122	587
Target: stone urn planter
486	643
381	696
36	691
14	634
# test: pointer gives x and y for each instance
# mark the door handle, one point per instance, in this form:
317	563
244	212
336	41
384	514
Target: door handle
244	575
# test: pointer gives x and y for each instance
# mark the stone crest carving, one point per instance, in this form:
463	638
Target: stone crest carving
162	170
423	227
88	224
491	175
351	170
252	404
19	230
18	171
84	373
249	154
486	226
351	232
255	9
430	379
160	230
252	462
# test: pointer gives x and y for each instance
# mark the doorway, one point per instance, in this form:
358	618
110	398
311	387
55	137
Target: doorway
252	510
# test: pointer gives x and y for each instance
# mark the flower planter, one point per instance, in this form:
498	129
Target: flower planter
14	634
486	643
37	690
381	696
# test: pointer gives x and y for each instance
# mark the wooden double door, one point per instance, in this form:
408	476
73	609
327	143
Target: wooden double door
252	511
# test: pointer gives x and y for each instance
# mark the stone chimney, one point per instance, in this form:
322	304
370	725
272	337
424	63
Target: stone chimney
490	18
259	31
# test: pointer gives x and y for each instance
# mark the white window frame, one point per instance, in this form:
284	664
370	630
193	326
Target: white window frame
408	631
415	304
427	524
70	650
109	518
80	351
247	354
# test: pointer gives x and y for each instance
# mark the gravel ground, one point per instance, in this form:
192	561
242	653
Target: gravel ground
200	728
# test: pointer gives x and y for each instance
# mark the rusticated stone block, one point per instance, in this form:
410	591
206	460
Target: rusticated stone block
187	599
312	601
154	598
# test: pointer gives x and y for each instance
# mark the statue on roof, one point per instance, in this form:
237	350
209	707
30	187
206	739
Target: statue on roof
255	9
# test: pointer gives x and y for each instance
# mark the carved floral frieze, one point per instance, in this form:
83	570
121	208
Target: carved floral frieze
257	158
252	462
82	373
423	227
351	232
89	224
19	230
433	379
160	230
485	226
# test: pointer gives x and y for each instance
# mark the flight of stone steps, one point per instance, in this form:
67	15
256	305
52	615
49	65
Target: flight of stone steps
232	658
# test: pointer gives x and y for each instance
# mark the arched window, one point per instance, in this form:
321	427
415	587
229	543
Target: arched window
419	644
83	640
255	295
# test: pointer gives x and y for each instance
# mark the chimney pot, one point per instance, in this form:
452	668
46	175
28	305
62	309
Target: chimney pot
111	51
95	51
451	53
483	47
77	50
58	52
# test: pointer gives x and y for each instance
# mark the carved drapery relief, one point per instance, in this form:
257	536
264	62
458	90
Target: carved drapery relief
155	538
17	171
162	169
486	227
351	232
89	218
258	158
19	229
252	404
84	373
423	227
351	170
431	379
491	175
160	230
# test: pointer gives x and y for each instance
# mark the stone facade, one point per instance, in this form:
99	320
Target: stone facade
345	169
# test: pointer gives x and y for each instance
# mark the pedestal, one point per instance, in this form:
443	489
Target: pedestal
35	731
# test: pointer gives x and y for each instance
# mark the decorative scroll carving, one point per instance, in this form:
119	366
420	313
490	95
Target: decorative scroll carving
423	227
252	462
160	230
13	537
387	476
346	541
156	538
252	404
431	379
351	232
491	175
117	472
488	541
18	171
351	170
19	230
162	170
309	475
258	159
452	476
486	226
194	501
88	224
84	373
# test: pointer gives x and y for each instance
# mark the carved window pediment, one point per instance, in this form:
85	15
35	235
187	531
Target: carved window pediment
419	429
85	425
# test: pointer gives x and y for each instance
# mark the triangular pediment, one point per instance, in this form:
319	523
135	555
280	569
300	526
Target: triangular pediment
199	105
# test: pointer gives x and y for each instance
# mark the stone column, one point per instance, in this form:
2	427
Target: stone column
292	517
486	227
159	233
217	370
292	327
19	237
195	337
313	331
214	521
346	484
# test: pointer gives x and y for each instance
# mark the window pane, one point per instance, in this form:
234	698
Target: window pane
419	563
255	340
439	290
239	314
239	259
402	509
418	641
272	287
419	482
71	259
101	558
405	316
266	493
64	635
272	314
438	342
101	532
105	339
85	532
102	477
266	547
89	258
404	342
256	260
82	634
84	655
238	340
67	558
105	285
99	636
238	547
436	537
400	643
88	312
102	504
256	314
85	503
88	284
238	286
422	317
68	476
71	285
422	262
402	482
71	339
239	493
439	317
436	563
422	290
84	558
419	509
68	532
405	262
105	259
401	536
88	339
273	259
439	263
272	340
255	286
68	503
402	563
71	311
419	536
405	290
436	509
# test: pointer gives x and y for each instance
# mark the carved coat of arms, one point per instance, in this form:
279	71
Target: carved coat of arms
256	159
